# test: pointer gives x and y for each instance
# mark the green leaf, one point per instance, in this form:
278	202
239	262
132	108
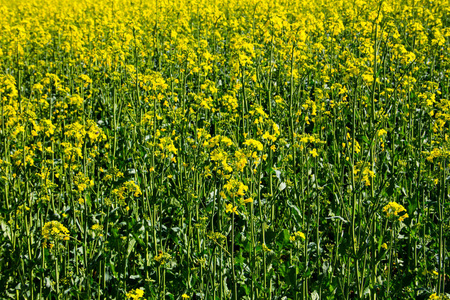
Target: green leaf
284	236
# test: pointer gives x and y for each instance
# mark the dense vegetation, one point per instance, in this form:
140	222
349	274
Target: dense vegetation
180	149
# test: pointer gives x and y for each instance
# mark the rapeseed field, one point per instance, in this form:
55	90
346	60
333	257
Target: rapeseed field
252	149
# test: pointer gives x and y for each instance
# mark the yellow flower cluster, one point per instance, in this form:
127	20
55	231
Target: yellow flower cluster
235	188
231	209
53	232
297	234
196	99
437	153
129	189
257	145
434	296
395	211
366	175
216	237
135	294
162	257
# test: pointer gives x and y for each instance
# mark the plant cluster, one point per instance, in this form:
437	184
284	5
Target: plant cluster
247	149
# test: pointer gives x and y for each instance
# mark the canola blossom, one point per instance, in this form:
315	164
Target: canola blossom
396	211
252	149
53	232
135	294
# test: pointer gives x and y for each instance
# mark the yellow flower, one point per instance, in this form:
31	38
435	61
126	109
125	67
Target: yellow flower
265	248
135	294
300	234
434	297
231	209
297	234
249	200
395	211
382	132
184	296
162	257
254	143
268	136
314	153
97	227
54	231
235	188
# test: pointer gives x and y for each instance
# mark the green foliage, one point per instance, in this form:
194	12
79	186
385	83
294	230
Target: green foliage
224	150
